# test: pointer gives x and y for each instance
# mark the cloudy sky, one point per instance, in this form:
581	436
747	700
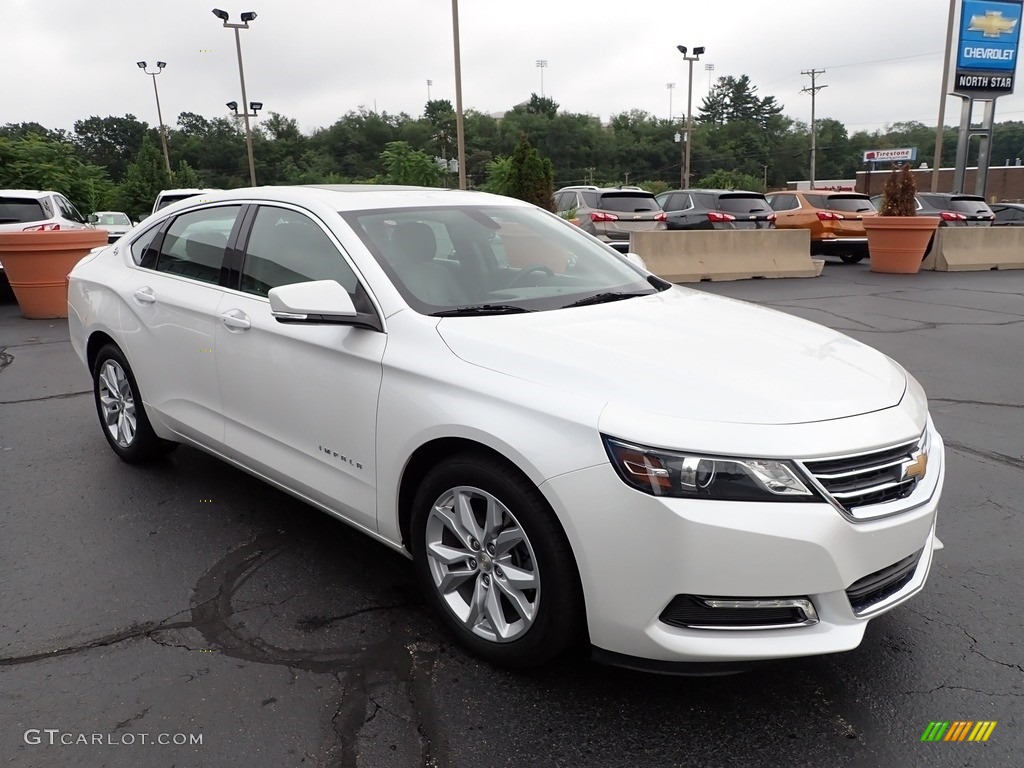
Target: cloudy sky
315	60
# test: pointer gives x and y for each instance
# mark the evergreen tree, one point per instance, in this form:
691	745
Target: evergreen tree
531	176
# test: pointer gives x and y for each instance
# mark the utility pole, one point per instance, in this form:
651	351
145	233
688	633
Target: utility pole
813	90
940	125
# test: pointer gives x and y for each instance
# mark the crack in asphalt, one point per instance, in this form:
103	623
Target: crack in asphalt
997	458
133	632
955	401
131	720
62	396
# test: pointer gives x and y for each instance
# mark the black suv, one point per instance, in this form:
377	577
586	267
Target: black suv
955	209
716	209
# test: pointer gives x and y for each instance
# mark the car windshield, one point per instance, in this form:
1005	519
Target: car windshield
492	259
113	220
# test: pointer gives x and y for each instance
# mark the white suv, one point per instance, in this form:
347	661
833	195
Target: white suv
29	210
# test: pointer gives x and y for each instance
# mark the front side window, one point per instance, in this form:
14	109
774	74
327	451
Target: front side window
287	247
195	242
68	210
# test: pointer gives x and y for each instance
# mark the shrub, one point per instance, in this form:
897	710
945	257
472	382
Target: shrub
899	195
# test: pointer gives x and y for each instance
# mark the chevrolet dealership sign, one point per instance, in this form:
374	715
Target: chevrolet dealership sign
986	55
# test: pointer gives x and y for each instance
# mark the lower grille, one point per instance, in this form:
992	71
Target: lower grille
693	612
876	587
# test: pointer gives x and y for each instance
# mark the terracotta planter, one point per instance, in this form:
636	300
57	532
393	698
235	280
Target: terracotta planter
897	244
38	263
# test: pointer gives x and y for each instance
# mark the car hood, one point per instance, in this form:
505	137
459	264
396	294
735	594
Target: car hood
689	354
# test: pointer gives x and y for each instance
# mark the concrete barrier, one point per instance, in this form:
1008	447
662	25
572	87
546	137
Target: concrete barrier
692	256
962	249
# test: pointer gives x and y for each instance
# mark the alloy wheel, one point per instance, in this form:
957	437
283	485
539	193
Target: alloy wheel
118	403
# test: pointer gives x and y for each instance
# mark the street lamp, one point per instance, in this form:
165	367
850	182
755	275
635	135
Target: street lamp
246	18
429	83
670	87
689	109
459	128
163	131
542	64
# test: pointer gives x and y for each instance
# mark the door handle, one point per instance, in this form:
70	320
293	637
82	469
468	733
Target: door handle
236	318
145	295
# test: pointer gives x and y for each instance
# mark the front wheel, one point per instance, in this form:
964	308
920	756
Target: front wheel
119	406
494	562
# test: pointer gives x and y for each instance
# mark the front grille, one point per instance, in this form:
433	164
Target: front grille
869	478
690	611
875	587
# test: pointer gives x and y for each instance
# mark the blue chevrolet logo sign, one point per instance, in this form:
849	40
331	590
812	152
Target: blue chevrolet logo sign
989	33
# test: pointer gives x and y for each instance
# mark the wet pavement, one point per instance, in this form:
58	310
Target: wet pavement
186	614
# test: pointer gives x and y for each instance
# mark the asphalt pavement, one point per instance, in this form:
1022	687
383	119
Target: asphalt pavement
186	614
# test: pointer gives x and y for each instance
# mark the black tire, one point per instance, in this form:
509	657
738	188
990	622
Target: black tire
557	622
134	443
851	258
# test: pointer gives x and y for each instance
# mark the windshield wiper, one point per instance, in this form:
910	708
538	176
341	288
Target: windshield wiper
481	309
603	298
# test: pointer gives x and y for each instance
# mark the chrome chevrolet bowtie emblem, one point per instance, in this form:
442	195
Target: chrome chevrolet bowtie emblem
992	24
916	467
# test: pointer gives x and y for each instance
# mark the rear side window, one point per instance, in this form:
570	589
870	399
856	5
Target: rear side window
21	210
783	202
852	203
194	244
143	252
625	202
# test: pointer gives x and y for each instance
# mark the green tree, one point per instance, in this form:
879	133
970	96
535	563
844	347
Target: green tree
722	179
143	180
499	172
40	162
530	176
185	177
111	142
406	165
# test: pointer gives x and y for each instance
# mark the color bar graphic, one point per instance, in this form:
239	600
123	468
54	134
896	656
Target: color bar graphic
959	730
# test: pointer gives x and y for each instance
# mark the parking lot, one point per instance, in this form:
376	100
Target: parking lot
186	614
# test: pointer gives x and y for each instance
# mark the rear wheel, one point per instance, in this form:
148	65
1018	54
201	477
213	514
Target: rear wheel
851	258
120	409
494	562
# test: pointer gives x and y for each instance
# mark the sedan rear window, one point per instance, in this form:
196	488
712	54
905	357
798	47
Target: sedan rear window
740	203
21	210
629	202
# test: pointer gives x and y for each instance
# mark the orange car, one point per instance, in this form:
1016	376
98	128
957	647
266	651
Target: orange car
834	219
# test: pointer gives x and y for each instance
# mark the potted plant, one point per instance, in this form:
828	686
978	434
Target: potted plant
570	216
898	238
38	262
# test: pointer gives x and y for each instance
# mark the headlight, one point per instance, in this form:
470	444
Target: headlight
696	476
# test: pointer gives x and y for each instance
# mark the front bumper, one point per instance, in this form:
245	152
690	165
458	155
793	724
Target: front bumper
637	552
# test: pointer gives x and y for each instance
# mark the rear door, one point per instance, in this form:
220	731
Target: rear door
168	310
622	212
749	210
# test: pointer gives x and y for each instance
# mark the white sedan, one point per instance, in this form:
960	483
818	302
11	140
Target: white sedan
570	449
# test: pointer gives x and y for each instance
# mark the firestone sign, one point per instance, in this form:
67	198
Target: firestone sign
890	155
986	55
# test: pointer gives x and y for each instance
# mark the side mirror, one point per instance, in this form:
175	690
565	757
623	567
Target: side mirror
92	218
319	302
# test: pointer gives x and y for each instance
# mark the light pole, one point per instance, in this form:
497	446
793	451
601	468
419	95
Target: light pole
689	109
709	68
254	108
670	87
460	133
542	64
246	18
429	83
163	131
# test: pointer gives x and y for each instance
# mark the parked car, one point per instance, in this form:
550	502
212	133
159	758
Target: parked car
611	213
115	222
955	209
169	196
33	210
716	209
1008	214
835	220
577	453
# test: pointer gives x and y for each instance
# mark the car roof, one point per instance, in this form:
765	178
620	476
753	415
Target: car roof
362	196
27	192
709	190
